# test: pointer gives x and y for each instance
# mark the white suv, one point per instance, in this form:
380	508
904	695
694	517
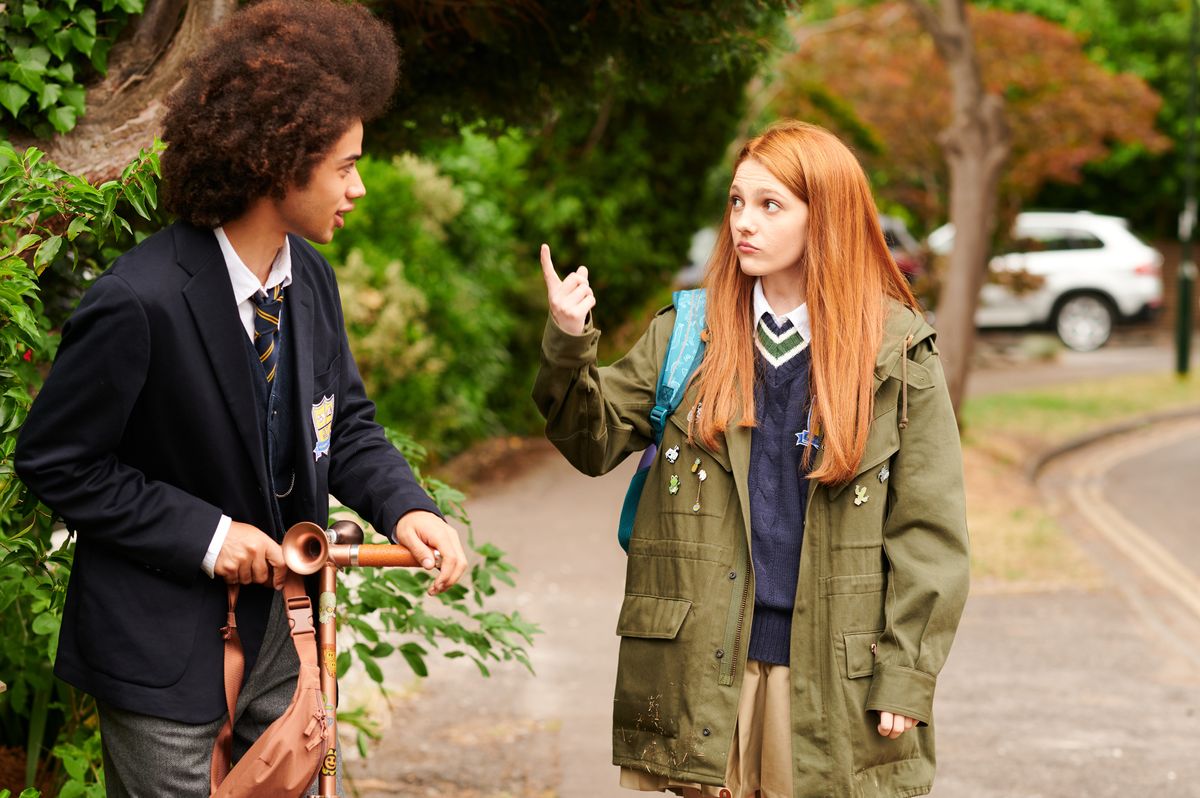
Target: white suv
1094	272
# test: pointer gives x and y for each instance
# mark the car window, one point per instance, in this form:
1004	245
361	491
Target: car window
1046	239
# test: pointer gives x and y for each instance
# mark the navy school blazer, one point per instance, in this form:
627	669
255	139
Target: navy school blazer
147	431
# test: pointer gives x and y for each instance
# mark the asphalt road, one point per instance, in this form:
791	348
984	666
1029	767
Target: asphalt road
1003	365
1157	491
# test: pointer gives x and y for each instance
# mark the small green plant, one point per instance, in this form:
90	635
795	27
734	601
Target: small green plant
386	602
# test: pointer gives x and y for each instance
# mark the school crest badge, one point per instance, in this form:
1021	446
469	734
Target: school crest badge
322	420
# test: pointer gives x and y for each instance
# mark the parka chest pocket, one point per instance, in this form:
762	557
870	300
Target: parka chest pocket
693	479
860	506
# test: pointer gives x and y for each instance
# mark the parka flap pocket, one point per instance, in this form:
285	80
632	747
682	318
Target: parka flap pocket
882	442
652	616
679	419
916	375
860	653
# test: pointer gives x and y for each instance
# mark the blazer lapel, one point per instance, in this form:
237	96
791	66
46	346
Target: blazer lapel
209	297
300	306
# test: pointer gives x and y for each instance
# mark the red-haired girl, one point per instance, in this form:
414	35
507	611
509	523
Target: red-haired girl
798	561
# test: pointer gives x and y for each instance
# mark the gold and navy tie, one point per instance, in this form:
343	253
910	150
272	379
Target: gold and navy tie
268	308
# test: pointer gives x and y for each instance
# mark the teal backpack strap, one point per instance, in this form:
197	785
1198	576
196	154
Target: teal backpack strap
685	350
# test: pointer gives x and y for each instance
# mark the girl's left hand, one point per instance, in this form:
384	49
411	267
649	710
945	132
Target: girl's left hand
892	725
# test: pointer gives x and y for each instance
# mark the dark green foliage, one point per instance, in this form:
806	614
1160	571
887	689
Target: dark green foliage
625	186
49	220
48	51
507	63
431	279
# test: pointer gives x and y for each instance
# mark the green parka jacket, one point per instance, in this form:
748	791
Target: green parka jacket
881	588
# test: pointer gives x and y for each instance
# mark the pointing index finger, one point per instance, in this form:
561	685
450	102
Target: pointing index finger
548	272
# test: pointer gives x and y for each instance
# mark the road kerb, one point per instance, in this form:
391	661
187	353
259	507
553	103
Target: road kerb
1042	459
1131	541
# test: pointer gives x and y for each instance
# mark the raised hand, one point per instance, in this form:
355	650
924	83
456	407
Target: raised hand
570	299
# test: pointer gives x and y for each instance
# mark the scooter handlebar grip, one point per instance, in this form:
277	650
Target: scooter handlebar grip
383	554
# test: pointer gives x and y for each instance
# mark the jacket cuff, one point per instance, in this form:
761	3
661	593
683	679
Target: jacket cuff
902	691
560	348
400	506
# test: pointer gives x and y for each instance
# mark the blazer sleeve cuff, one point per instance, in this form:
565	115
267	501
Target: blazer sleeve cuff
903	691
401	505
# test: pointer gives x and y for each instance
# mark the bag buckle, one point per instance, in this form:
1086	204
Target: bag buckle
300	616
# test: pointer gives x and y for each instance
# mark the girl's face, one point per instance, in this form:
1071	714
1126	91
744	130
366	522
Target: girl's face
768	222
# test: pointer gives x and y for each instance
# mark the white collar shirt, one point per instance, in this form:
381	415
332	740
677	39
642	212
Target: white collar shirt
797	316
246	285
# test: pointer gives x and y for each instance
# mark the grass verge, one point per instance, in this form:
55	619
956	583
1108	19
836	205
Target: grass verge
1016	545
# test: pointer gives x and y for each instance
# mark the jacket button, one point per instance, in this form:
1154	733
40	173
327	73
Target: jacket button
706	731
720	653
733	574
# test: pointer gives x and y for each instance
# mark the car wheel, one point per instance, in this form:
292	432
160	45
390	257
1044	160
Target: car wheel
1084	322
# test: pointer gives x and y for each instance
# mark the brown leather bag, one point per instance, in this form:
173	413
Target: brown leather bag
284	760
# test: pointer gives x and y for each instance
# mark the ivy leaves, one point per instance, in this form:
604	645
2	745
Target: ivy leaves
46	49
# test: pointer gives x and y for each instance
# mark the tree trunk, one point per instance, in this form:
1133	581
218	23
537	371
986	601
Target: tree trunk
976	146
124	110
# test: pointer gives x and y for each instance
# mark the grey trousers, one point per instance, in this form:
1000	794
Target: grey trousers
149	757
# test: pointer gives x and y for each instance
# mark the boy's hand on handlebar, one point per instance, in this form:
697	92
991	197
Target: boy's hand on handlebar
424	533
571	298
250	555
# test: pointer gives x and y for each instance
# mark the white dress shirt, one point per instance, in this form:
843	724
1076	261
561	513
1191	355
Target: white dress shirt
797	316
245	287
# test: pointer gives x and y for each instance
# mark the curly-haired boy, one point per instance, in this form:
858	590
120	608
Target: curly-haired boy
205	399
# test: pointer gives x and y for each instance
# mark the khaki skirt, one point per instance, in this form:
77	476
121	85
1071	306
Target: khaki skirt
761	757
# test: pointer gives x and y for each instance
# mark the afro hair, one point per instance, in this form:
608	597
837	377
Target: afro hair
278	84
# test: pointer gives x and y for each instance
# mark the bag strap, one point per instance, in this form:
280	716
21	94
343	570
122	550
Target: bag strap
235	667
300	619
685	350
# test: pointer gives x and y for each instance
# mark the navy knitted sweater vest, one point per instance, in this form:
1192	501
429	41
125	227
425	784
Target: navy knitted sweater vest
276	403
778	495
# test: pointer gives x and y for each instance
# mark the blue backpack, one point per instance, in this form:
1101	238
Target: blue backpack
684	353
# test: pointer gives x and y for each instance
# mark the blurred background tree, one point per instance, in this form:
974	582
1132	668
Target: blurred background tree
1142	38
882	86
1116	81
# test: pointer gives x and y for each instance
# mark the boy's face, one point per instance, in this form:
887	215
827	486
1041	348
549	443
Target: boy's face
318	208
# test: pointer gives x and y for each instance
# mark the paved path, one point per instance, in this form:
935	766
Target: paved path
1087	693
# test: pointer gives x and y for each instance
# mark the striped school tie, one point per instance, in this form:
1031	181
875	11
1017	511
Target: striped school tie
268	308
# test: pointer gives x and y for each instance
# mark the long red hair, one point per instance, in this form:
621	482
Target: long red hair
849	275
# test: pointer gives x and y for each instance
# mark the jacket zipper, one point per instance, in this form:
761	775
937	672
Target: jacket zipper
733	635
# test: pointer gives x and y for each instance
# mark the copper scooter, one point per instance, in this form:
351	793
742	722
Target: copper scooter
307	549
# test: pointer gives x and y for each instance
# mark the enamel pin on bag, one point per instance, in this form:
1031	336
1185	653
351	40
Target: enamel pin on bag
684	353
